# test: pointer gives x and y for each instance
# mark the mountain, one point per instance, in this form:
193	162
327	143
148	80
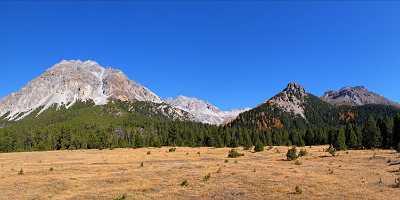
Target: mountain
294	108
356	96
202	111
70	81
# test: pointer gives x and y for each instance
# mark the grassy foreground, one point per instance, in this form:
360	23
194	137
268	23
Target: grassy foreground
198	173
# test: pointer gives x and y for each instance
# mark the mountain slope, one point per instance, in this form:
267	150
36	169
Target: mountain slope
356	96
70	81
202	111
294	108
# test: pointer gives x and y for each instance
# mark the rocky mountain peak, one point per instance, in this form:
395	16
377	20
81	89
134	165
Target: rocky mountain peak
73	80
291	99
356	96
203	111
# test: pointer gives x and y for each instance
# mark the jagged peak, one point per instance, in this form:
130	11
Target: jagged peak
294	87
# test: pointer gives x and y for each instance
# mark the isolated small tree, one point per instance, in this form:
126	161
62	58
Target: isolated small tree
258	147
292	154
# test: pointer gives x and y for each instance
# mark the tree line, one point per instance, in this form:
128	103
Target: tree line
81	127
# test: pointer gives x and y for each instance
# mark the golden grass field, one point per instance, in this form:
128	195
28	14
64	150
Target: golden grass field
109	174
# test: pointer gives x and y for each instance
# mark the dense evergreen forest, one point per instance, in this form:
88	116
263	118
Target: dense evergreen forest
117	124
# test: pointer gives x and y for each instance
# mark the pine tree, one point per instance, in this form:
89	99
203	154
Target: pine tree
258	146
351	137
309	138
340	143
396	131
386	129
372	136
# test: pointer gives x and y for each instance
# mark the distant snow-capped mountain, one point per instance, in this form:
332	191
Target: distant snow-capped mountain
203	111
356	96
71	81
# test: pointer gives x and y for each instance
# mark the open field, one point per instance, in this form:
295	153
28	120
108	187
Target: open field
108	174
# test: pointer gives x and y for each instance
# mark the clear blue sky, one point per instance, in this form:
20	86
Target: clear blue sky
233	54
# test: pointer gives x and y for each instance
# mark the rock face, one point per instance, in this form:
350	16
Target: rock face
290	100
356	96
71	81
202	111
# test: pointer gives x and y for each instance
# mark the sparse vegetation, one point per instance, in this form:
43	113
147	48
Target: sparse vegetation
233	153
302	152
173	149
207	177
184	183
258	147
122	197
298	190
397	182
172	168
21	172
331	150
292	154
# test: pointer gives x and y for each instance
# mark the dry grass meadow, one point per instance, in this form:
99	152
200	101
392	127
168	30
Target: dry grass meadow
119	173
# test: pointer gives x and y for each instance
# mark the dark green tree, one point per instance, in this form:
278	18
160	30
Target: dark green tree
340	143
371	134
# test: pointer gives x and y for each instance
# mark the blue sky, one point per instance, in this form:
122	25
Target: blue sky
230	53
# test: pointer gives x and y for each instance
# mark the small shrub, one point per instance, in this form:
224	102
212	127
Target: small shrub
219	170
187	153
184	183
207	177
298	162
380	181
173	149
51	169
21	172
298	190
141	164
148	153
292	154
258	147
303	152
226	161
331	150
397	182
236	161
198	153
122	197
234	154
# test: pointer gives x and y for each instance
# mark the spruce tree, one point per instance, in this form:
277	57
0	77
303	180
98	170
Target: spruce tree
396	131
309	137
340	143
372	136
386	129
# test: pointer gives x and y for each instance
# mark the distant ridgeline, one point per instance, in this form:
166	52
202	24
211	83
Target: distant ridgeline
94	108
